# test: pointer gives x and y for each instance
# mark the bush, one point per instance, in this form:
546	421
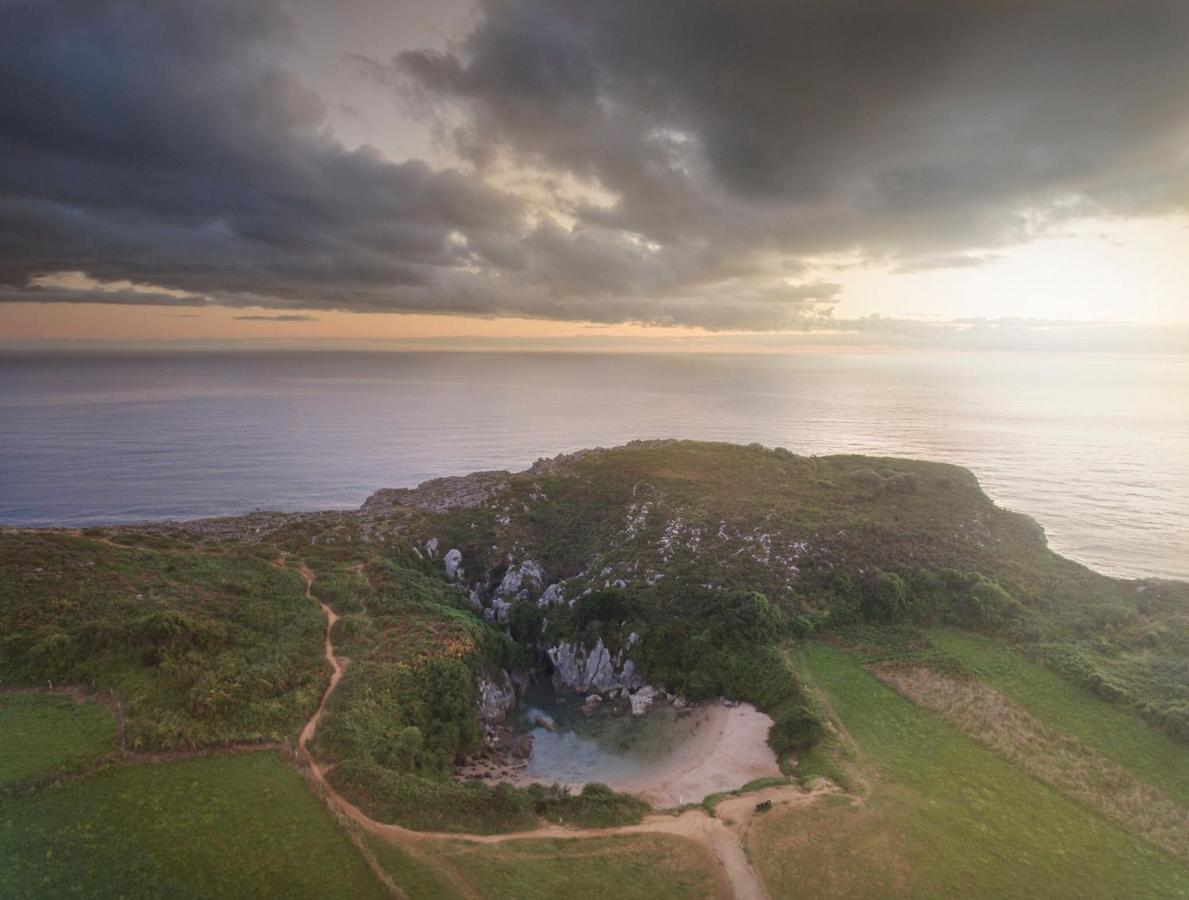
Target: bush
796	731
883	597
986	605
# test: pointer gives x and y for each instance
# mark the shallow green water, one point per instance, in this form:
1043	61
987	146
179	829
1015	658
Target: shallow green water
609	746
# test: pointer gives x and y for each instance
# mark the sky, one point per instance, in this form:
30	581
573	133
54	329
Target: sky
622	173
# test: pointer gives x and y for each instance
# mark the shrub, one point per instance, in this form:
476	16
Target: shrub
796	731
986	605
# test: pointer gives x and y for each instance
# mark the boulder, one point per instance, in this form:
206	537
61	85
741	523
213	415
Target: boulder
641	700
452	562
527	576
496	697
500	608
551	597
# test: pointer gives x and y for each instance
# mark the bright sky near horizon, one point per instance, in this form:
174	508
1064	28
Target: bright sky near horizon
524	170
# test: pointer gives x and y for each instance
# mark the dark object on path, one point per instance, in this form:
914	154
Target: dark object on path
764	806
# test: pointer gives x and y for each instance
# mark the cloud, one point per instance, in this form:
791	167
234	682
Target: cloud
167	144
284	317
947	261
905	129
88	294
616	161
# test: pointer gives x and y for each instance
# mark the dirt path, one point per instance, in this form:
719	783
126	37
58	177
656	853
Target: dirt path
722	835
337	666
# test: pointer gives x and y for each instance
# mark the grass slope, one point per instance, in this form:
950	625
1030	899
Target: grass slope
200	645
417	879
223	826
943	817
636	867
1151	756
42	733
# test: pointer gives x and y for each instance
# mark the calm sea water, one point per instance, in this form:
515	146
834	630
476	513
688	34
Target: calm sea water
1095	447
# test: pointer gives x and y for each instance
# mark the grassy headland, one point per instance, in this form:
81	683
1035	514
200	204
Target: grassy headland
716	569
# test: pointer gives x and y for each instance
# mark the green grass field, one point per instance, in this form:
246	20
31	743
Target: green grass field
1150	755
636	867
221	826
43	733
943	816
414	877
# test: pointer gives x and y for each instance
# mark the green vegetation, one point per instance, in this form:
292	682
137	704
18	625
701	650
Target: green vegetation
243	825
647	867
1151	756
199	647
404	713
44	733
438	803
407	701
706	564
420	879
835	542
943	816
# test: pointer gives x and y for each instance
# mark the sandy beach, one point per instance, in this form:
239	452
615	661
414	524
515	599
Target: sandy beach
728	749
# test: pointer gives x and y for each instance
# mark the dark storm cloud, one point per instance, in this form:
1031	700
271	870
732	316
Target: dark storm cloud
163	144
170	146
901	128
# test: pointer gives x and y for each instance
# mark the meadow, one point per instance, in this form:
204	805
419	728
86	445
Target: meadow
1149	754
43	734
241	825
936	814
640	867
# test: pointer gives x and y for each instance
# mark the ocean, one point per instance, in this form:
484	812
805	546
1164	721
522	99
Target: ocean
1095	447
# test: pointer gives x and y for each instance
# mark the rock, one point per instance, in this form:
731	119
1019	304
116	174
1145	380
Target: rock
438	495
500	609
496	697
452	562
593	702
522	747
628	677
680	703
431	547
551	597
528	574
545	722
641	700
583	670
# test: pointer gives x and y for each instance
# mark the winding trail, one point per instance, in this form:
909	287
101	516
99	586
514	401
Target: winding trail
337	666
721	837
